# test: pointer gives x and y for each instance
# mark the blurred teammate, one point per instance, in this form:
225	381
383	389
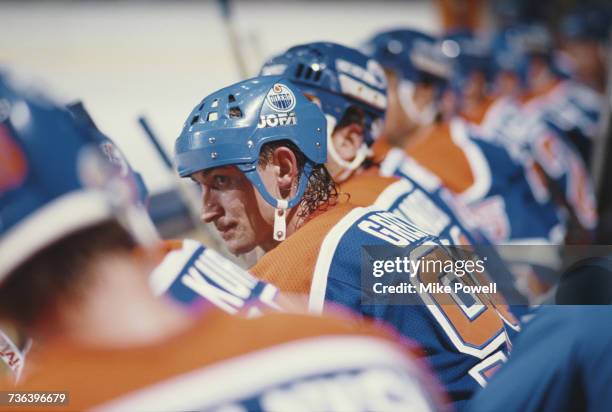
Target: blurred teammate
257	149
486	177
570	109
585	36
483	175
550	120
74	275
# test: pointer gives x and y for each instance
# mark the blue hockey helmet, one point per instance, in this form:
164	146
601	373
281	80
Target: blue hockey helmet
415	57
410	53
468	55
513	48
230	126
588	23
114	155
53	179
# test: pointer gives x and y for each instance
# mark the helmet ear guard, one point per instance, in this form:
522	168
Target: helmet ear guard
281	205
231	126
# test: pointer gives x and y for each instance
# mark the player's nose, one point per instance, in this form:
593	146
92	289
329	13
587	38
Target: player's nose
211	209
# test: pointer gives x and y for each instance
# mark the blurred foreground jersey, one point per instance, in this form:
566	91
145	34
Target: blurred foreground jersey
561	362
275	362
196	278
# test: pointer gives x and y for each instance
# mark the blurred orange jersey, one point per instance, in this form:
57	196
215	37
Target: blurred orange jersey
445	156
291	265
275	362
366	187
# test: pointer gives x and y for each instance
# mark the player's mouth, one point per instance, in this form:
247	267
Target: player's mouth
226	230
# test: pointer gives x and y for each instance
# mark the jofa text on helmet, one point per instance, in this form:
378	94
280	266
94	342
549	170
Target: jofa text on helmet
277	119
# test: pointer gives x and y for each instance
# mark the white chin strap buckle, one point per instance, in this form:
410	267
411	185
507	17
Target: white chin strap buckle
280	220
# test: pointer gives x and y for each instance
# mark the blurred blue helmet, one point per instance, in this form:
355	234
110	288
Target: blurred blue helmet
110	150
468	55
409	53
592	24
340	77
415	57
513	48
230	126
53	179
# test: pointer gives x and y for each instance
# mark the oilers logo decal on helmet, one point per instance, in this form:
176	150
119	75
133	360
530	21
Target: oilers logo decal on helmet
280	98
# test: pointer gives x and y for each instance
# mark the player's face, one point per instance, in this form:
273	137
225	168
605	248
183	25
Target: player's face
397	123
347	141
229	201
475	88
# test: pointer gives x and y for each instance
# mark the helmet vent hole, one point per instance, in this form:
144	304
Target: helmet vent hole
212	116
195	119
308	74
231	99
317	75
235	112
215	103
201	106
299	70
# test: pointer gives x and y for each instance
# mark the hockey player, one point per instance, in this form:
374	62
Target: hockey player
353	109
570	109
463	164
257	148
551	123
585	36
73	273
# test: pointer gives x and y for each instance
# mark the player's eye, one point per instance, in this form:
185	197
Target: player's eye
221	181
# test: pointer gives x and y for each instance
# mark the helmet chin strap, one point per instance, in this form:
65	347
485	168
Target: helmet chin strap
280	205
348	167
421	116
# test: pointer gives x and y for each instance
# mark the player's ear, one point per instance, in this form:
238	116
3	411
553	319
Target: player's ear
347	141
286	165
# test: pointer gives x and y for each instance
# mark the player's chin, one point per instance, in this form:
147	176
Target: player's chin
238	246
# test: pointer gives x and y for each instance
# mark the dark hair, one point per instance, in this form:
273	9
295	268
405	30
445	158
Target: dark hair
352	115
321	191
58	273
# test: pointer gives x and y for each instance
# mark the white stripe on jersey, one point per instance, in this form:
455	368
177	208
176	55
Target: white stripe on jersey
316	300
